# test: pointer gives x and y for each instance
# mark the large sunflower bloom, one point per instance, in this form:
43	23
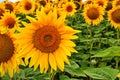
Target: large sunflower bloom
8	53
9	20
93	14
114	17
46	41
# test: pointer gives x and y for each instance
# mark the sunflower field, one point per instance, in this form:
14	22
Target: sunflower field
60	40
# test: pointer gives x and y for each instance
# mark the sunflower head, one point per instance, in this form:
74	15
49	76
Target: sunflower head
8	57
9	6
69	8
109	6
43	2
89	2
102	3
27	6
78	5
9	20
46	39
93	14
114	17
2	11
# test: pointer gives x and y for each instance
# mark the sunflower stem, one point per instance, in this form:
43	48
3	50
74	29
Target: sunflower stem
87	32
52	75
117	61
91	45
118	34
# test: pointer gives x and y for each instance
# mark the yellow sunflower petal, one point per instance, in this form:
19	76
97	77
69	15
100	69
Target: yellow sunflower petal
59	61
66	36
66	51
64	57
38	61
52	61
68	43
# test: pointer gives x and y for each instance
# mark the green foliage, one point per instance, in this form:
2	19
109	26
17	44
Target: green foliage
102	73
111	51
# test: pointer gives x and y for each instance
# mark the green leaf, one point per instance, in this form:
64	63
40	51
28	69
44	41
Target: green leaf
64	77
74	69
112	51
102	73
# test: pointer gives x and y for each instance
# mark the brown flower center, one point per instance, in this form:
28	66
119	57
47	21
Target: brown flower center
1	12
10	22
42	2
28	6
46	39
109	6
116	16
9	7
6	48
100	3
93	13
69	8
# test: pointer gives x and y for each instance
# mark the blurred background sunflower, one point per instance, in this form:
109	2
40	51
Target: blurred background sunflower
93	14
9	21
114	17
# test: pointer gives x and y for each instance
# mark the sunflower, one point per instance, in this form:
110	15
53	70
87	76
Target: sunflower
116	3
9	20
78	5
109	6
89	2
93	14
46	41
2	11
8	53
9	6
27	6
102	3
114	17
69	8
43	2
